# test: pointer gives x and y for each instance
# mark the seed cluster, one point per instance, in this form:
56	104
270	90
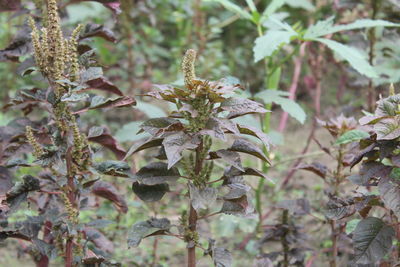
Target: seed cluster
56	57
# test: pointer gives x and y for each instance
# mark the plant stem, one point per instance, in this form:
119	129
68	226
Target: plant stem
334	243
371	56
285	244
69	257
337	181
192	212
293	86
155	257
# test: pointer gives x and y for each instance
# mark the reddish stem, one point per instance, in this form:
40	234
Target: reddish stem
293	86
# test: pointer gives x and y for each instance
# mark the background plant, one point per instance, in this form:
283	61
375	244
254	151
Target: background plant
62	157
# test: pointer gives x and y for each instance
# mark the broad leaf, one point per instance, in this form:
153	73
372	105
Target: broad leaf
101	102
232	172
390	194
386	107
372	239
266	45
147	228
238	206
244	146
19	192
94	78
351	55
315	167
230	157
20	46
149	143
305	4
201	198
114	168
325	27
253	131
97	30
351	136
102	136
368	171
150	193
234	8
110	192
175	144
388	129
297	207
221	256
241	106
157	173
158	126
273	6
99	239
288	105
338	209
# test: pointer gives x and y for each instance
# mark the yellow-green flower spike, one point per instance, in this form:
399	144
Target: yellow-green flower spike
188	67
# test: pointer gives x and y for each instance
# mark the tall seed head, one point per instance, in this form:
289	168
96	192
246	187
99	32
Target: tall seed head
188	67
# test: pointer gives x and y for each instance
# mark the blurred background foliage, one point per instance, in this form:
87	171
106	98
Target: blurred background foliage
142	44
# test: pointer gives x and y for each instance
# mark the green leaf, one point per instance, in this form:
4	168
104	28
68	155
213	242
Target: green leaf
266	45
147	228
151	111
126	133
372	240
234	8
288	105
325	27
292	108
351	225
272	8
351	136
251	5
352	55
305	4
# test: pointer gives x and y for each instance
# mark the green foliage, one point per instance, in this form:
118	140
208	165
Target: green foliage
351	136
288	105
